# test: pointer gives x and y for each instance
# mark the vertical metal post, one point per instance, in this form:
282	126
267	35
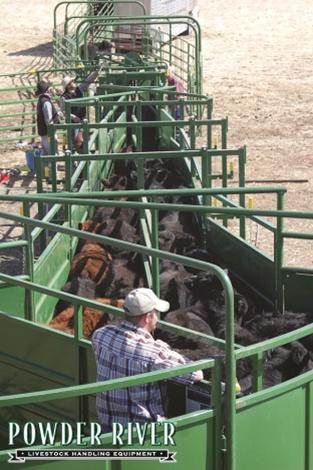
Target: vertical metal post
53	151
68	170
98	119
140	164
257	372
278	256
230	378
224	165
68	186
68	121
155	244
242	162
170	44
78	334
29	255
85	137
181	109
224	133
205	172
86	149
217	405
209	127
192	132
40	205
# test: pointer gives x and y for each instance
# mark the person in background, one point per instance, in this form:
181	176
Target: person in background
175	81
46	113
72	91
127	349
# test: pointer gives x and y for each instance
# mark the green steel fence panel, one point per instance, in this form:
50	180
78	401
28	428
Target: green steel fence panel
40	358
68	465
166	133
298	290
194	448
276	433
195	431
246	262
12	300
51	270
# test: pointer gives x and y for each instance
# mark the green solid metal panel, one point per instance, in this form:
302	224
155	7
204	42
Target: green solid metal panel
166	133
104	139
309	426
51	270
78	213
243	260
59	465
298	290
271	434
94	175
119	134
12	300
35	358
194	449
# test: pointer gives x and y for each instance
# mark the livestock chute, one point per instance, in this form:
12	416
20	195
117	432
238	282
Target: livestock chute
157	191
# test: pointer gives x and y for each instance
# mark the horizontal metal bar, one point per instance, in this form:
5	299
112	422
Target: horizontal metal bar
131	89
145	155
20	114
297	270
193	334
47	218
44	71
15	244
140	124
185	102
22	101
98	197
96	387
174	207
264	223
23	277
298	235
24	87
274	342
132	247
18	88
18	138
300	381
17	127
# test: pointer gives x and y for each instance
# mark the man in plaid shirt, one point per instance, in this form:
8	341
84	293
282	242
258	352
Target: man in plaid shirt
128	349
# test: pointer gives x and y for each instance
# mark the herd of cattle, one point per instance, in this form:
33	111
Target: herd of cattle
196	297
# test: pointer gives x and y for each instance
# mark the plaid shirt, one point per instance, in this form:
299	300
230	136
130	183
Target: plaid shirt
124	350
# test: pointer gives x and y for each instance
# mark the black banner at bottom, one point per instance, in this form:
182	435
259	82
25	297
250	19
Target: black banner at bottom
164	456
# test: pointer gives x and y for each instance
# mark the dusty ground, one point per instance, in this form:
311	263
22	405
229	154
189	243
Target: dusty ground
257	58
258	67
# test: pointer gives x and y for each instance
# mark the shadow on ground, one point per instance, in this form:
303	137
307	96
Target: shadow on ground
42	50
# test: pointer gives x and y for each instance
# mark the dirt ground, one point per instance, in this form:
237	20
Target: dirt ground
257	64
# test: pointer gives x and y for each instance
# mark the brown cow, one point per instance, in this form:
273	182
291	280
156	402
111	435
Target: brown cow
92	318
93	260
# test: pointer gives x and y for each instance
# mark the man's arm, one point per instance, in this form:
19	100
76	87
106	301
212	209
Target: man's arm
168	358
47	112
88	81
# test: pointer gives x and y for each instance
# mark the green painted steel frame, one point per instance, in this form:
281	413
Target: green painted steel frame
230	366
60	40
149	21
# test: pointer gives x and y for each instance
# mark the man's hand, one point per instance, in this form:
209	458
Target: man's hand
198	375
76	119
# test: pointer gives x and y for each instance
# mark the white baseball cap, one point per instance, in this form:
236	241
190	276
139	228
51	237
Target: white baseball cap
140	301
66	81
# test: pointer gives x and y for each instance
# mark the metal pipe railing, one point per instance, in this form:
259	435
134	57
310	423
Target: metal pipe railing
219	272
